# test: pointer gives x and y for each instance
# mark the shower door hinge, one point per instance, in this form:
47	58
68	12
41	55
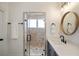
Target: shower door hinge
20	23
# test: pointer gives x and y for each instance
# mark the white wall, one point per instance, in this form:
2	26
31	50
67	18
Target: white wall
4	44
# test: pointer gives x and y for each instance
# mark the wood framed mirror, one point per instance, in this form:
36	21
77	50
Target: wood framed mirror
69	23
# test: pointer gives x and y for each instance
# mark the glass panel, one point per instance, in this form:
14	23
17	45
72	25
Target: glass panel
32	23
41	23
36	30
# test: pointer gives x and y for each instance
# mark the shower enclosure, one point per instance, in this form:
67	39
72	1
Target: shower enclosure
34	34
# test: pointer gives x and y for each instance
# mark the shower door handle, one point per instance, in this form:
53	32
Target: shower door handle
28	37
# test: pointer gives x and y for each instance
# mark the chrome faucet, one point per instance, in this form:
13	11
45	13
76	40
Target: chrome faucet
62	39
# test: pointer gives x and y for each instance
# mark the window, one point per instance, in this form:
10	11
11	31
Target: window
32	23
41	23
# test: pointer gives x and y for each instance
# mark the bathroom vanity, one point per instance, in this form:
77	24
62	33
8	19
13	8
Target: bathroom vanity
62	49
51	51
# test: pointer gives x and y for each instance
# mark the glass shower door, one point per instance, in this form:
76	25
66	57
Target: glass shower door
35	39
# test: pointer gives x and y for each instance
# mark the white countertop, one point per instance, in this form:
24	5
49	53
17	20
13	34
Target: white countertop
62	49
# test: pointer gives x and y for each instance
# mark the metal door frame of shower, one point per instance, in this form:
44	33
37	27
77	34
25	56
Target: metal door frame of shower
24	31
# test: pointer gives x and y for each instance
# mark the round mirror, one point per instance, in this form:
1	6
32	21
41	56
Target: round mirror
69	23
